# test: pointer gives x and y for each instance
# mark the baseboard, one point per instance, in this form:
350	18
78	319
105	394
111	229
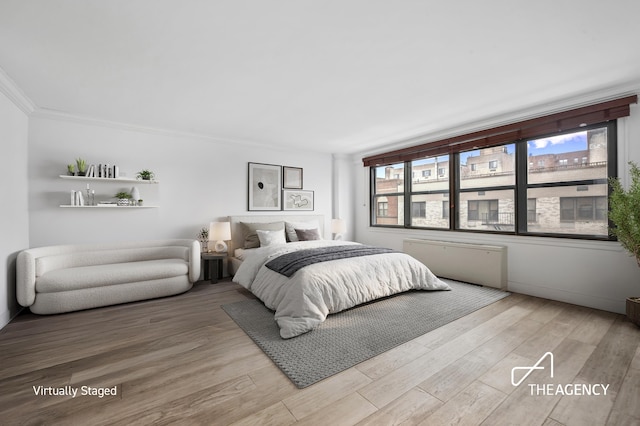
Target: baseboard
610	305
6	317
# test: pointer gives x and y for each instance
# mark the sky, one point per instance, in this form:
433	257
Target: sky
558	144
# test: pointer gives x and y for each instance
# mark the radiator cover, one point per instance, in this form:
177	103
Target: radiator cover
473	263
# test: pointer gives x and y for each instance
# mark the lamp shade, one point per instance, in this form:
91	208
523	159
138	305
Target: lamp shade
219	232
338	226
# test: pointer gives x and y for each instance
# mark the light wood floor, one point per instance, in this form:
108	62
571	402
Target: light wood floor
182	360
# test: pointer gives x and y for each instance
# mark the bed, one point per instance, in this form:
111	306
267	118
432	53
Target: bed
306	279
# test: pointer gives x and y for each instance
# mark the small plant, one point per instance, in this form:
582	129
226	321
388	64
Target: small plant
145	175
624	212
71	169
123	195
203	235
82	165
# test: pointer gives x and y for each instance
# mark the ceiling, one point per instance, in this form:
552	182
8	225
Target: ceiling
335	76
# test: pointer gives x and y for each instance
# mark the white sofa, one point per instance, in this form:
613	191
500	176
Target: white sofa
67	278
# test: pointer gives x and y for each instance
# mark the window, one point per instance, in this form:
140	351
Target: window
425	195
532	216
389	195
383	209
419	209
572	196
574	209
488	192
561	190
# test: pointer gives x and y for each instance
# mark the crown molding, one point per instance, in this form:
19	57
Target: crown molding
15	94
50	114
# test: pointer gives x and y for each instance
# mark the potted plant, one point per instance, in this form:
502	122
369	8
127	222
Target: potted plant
203	237
140	202
624	212
123	198
145	175
82	166
71	169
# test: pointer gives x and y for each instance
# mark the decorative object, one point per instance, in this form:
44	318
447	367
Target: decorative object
145	174
338	227
265	183
219	232
292	177
123	198
135	194
71	169
355	335
140	202
297	199
203	237
624	212
82	166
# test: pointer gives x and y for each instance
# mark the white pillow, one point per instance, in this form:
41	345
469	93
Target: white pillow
290	228
269	238
239	253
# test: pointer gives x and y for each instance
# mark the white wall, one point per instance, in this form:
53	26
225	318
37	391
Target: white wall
597	274
14	222
200	181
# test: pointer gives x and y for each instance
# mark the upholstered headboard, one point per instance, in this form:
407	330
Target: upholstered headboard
237	239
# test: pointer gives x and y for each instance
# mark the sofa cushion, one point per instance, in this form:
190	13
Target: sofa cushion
75	259
105	275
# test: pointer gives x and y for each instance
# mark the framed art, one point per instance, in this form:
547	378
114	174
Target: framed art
294	199
265	181
292	177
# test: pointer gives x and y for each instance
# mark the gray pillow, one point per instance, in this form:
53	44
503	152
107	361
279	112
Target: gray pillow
307	234
250	236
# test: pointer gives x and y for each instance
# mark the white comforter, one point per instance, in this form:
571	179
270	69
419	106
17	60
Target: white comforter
303	301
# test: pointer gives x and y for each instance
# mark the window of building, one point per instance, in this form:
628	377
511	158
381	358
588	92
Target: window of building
419	209
445	210
383	208
493	164
426	173
532	216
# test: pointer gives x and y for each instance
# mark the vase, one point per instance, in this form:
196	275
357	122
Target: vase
633	310
135	194
123	202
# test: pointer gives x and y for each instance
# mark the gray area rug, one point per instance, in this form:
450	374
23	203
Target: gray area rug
350	337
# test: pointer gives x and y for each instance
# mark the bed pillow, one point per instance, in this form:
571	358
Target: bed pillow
249	235
290	228
270	238
307	234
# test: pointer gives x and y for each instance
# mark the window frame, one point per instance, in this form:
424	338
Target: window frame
520	187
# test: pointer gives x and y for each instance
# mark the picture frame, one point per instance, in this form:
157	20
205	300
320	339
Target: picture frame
264	187
299	200
292	177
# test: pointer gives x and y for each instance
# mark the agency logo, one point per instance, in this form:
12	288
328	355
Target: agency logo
529	370
553	389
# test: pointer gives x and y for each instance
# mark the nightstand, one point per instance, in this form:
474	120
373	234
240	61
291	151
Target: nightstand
215	259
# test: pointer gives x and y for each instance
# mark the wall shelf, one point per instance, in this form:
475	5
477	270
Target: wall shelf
119	179
68	206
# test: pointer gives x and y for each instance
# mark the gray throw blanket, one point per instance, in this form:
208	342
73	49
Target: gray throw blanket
288	264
